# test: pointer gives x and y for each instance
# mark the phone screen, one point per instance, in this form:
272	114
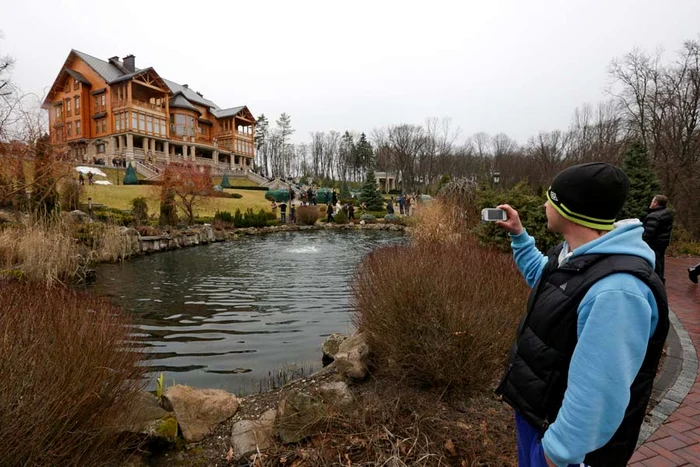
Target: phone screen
494	214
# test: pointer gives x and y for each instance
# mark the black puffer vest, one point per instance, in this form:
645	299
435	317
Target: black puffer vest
536	378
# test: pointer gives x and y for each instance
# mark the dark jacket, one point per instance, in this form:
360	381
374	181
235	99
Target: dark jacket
537	375
657	228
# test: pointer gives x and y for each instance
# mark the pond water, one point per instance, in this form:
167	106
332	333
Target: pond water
232	315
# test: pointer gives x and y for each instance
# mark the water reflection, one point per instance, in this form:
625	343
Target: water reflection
228	314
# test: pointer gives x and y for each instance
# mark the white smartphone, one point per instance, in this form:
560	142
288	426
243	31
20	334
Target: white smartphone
492	215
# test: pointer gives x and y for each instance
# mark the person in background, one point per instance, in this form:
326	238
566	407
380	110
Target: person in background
283	212
401	202
81	178
292	214
693	273
657	231
351	212
329	211
273	206
582	368
390	206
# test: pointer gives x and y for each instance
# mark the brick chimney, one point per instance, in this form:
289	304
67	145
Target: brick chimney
130	63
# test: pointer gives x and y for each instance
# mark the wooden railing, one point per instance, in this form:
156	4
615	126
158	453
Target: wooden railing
117	104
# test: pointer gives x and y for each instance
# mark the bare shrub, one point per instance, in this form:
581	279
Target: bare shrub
69	376
307	215
439	314
69	194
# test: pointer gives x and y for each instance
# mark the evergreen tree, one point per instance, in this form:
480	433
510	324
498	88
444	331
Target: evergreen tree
364	154
130	177
643	182
345	190
224	182
370	195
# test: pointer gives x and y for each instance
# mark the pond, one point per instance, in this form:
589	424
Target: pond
233	315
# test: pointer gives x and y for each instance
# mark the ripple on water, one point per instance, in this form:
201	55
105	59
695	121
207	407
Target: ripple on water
226	315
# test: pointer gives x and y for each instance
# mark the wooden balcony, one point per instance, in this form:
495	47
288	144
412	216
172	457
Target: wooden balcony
243	136
123	103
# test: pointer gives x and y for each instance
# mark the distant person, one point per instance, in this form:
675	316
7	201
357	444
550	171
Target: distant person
657	231
90	177
351	213
390	206
292	214
693	273
283	212
81	178
329	210
402	203
363	206
334	198
273	206
408	206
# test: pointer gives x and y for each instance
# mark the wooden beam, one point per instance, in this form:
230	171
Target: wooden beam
144	84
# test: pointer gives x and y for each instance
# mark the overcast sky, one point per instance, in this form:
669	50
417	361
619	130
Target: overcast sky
513	66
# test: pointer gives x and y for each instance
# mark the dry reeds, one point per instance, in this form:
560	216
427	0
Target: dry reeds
440	221
307	215
44	251
69	376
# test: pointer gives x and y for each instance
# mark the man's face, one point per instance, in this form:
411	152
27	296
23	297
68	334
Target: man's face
555	221
653	204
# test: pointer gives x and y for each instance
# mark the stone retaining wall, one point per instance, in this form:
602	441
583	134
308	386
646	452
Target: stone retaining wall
205	234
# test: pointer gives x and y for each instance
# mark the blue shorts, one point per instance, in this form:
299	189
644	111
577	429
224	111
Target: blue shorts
530	451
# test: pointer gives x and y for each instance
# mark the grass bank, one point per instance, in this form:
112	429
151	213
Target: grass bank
120	197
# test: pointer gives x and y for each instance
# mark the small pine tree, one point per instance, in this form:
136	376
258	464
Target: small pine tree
643	182
224	182
345	190
370	195
130	178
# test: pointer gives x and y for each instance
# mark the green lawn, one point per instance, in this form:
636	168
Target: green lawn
120	197
234	181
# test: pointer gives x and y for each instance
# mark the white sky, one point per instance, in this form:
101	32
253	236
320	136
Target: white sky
516	66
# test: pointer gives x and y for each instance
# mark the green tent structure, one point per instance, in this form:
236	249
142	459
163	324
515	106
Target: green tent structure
278	195
130	178
324	195
224	182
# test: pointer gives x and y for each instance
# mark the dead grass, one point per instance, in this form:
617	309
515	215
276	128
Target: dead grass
69	376
45	251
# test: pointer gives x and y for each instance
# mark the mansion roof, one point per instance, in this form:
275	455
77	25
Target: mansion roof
182	96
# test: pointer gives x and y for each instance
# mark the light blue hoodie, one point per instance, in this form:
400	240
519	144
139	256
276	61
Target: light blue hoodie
616	319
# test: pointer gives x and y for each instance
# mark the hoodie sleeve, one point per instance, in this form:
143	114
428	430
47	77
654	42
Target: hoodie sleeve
615	321
528	258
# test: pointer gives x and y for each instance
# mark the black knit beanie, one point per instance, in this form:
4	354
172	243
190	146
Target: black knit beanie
590	194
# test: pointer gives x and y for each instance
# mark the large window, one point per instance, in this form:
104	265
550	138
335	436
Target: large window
76	85
183	124
77	104
69	129
101	125
58	112
100	103
68	107
78	130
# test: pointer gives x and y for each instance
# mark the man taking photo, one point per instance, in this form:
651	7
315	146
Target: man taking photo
581	370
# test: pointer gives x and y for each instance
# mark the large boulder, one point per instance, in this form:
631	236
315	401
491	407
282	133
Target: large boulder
249	436
79	216
198	411
299	416
352	359
331	346
336	393
151	421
